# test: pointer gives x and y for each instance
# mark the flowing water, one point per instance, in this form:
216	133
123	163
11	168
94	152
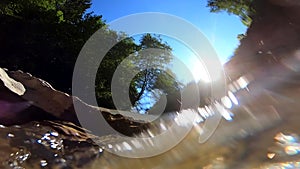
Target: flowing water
259	129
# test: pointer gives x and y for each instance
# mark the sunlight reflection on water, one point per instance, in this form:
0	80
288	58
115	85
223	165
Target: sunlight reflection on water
237	138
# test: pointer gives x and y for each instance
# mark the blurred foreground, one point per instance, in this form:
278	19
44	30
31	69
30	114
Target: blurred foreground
259	126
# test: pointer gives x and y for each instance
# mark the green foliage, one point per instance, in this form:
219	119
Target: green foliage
151	62
45	37
108	66
152	67
241	36
241	8
60	16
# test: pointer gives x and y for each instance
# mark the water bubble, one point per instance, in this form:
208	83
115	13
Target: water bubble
126	146
51	140
271	155
53	133
226	102
242	82
16	159
233	98
10	135
43	163
109	146
292	150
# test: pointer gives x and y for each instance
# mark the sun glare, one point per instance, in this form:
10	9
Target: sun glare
199	71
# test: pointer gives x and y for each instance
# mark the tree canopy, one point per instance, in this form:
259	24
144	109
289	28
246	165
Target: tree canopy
241	8
45	37
152	66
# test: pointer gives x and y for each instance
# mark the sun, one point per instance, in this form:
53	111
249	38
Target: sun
199	71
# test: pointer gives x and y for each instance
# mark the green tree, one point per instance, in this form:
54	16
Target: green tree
45	37
171	87
153	57
151	62
241	8
150	58
108	66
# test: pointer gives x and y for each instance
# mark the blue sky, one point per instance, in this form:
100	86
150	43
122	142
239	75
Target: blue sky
221	29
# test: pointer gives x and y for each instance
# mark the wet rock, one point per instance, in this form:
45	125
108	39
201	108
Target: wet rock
25	98
46	144
14	108
42	95
11	84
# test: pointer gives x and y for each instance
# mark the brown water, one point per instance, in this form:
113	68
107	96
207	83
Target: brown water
261	131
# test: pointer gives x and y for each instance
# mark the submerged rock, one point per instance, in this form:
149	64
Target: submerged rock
46	144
